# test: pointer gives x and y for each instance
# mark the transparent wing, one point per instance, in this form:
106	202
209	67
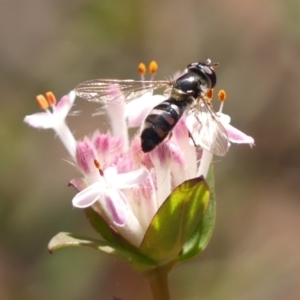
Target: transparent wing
115	91
211	136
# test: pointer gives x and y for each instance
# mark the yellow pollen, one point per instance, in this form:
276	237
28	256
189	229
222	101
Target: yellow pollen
142	69
51	98
153	66
209	94
42	101
222	95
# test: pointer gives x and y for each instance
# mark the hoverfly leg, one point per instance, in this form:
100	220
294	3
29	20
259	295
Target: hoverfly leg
191	137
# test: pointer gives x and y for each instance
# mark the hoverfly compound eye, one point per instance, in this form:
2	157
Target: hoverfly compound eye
207	70
192	65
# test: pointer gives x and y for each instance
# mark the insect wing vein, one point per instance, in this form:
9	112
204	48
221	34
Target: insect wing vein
212	136
114	91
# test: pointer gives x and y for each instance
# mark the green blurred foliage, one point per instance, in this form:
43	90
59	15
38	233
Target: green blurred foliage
54	45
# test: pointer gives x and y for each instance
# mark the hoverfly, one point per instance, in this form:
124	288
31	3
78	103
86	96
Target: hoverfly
187	94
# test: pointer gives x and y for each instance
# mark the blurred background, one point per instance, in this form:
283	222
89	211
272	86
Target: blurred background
53	45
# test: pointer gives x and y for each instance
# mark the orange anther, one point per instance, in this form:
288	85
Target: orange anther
42	101
209	94
142	68
97	165
153	66
51	98
222	95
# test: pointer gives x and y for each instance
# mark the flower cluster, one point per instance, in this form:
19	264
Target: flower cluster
124	185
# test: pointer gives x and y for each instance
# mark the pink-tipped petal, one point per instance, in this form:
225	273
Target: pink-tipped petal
85	156
64	105
88	196
161	159
117	205
78	183
139	156
238	137
161	153
101	143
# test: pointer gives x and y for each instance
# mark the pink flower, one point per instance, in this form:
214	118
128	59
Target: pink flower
118	180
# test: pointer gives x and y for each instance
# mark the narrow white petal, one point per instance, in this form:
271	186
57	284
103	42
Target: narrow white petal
130	179
238	137
88	196
143	202
40	120
116	113
223	118
205	163
117	205
110	174
63	106
161	159
132	230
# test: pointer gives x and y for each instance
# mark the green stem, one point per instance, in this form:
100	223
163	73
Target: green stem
158	279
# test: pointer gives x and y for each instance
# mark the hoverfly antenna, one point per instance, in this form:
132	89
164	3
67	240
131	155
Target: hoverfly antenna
210	63
215	64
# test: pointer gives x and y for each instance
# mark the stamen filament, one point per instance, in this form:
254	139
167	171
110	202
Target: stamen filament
222	98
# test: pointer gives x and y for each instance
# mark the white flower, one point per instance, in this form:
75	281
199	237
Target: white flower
119	181
54	118
107	191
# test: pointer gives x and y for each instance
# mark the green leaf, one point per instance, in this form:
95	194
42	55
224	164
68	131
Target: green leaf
106	231
66	239
201	236
175	221
100	225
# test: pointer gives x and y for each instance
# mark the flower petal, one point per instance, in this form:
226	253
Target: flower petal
89	195
41	120
238	137
78	183
131	179
137	110
64	105
117	205
110	174
223	118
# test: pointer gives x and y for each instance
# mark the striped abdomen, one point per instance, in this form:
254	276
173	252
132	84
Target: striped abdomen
160	122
